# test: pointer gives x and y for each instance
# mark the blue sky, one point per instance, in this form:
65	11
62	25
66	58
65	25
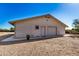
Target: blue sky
13	11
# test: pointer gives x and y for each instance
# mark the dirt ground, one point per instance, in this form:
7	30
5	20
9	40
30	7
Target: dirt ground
5	33
60	46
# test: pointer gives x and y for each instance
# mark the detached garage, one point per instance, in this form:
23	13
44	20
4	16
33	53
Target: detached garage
38	27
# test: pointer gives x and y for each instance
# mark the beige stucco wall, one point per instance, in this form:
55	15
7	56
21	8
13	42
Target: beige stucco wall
28	26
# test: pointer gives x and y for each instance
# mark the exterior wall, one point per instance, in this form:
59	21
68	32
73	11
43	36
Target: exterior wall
27	27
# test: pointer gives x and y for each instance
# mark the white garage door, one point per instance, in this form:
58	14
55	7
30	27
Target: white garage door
48	31
51	30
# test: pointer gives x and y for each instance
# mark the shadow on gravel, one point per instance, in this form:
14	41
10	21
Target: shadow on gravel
5	36
24	41
74	35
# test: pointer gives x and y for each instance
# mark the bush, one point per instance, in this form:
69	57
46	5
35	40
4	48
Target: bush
68	31
4	30
7	30
71	32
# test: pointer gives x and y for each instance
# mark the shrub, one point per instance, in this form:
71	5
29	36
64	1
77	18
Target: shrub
71	32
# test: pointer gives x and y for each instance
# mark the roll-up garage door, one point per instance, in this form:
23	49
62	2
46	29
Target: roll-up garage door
51	30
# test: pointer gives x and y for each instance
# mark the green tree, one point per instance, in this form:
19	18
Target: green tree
11	29
76	25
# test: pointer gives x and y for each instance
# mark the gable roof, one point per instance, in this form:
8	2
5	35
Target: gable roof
13	22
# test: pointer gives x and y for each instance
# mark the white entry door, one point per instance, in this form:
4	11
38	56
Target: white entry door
43	30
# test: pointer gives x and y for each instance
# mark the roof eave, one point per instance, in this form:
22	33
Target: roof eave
11	23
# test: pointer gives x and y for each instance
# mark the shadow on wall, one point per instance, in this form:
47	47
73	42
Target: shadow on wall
24	41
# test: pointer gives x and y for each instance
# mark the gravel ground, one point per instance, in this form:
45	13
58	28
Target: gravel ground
61	46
